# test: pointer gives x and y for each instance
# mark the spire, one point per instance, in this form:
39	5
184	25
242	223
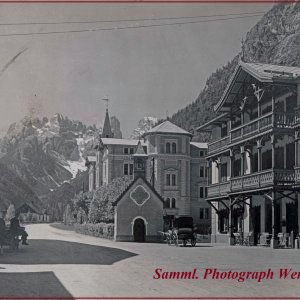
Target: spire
139	158
139	150
106	132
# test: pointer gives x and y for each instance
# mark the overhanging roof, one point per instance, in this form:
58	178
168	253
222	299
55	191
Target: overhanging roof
212	123
261	72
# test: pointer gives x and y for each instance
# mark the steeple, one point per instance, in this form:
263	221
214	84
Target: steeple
106	132
139	158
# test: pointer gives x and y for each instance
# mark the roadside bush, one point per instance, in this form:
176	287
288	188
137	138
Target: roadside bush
102	230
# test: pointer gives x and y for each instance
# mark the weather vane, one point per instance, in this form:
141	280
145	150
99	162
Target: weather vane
106	100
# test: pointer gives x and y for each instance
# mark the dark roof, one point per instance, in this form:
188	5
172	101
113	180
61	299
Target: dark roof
132	183
31	206
168	127
262	72
140	150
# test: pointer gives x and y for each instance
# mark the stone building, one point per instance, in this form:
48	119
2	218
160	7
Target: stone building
254	165
175	168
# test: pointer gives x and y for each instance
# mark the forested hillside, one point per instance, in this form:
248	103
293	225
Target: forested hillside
275	39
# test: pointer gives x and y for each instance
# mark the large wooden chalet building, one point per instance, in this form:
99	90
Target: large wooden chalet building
254	158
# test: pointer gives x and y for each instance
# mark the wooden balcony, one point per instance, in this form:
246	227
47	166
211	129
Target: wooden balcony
266	178
262	124
297	175
218	145
297	116
218	189
259	125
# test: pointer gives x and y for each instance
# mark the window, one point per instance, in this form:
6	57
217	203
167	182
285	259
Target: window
131	150
173	180
201	153
167	203
201	213
126	172
131	169
173	203
168	148
128	169
201	192
202	171
168	179
204	213
170	203
205	192
174	147
126	150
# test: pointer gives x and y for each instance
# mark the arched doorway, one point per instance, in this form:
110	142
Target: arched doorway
139	230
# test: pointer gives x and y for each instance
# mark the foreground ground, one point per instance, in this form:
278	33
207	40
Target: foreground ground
62	263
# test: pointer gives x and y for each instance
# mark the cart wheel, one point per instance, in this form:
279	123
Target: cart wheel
193	242
169	240
184	243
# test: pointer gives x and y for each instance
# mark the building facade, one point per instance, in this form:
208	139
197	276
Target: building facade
254	158
174	166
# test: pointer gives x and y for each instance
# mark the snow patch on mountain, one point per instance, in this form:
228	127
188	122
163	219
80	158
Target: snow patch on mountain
144	125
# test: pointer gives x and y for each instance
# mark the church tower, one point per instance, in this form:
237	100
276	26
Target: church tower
106	132
139	159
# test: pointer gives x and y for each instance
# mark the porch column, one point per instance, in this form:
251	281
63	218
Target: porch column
259	146
242	160
296	149
208	164
273	239
298	209
273	141
219	166
231	155
230	225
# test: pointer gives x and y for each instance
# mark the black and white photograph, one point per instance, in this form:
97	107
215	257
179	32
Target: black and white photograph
149	150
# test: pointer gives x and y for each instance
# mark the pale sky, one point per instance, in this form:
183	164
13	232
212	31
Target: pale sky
143	71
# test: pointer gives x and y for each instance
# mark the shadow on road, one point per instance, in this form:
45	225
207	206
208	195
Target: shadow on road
62	252
32	285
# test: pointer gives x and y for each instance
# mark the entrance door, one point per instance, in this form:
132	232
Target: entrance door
256	222
139	231
291	218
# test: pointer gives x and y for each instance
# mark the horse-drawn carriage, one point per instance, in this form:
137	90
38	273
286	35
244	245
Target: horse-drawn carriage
183	230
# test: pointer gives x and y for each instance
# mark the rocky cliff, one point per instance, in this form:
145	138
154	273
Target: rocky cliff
275	39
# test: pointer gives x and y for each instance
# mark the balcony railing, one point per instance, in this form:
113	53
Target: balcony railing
263	179
297	174
263	123
254	181
297	115
218	145
218	189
